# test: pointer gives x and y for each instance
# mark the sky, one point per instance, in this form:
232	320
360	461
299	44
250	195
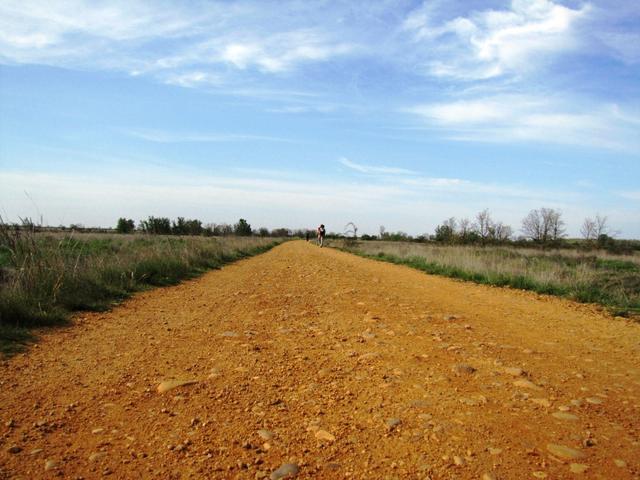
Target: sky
295	113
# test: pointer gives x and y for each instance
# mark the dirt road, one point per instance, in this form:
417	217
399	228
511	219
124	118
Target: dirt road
340	367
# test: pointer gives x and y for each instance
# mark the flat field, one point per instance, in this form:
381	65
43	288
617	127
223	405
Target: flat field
333	366
585	276
44	276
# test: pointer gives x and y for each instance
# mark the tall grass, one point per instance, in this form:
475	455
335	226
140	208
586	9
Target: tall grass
610	280
45	277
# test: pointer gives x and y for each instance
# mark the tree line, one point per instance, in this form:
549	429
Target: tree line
184	226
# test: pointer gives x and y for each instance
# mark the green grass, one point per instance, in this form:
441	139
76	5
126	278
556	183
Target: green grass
607	280
45	278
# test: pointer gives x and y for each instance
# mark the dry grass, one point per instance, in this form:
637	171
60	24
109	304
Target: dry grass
44	277
599	277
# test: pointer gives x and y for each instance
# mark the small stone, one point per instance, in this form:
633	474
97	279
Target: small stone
488	476
286	470
171	384
265	435
594	400
49	465
494	451
564	416
514	371
459	461
578	467
564	452
463	369
526	384
14	449
324	435
539	474
229	334
619	463
36	451
392	423
544	402
97	431
97	456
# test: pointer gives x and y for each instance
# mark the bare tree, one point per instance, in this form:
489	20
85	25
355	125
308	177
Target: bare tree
383	232
501	232
544	225
483	224
588	229
464	227
602	227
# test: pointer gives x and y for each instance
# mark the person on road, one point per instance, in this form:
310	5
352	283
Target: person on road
321	232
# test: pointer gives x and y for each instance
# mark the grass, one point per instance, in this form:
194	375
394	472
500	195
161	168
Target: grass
44	278
609	280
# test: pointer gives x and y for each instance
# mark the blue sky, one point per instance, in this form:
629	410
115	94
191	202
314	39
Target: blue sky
391	113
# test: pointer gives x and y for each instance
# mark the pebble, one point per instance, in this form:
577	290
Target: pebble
488	476
392	423
526	384
14	449
620	463
459	461
265	435
97	431
35	451
539	474
324	435
578	467
564	416
49	465
594	400
286	470
564	452
494	451
171	384
514	371
544	402
229	334
97	456
463	369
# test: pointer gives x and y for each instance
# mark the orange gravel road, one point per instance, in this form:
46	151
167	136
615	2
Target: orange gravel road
339	366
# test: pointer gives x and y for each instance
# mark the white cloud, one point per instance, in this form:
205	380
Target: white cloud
381	170
631	195
491	43
508	118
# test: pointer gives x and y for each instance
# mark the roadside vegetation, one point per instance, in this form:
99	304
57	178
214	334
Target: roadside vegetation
45	276
593	276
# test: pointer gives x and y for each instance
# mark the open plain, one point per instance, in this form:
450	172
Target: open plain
320	364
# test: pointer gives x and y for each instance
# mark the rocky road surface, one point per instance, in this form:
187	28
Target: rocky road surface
313	363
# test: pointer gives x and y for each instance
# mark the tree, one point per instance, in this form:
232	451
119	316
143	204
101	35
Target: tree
242	228
156	225
483	224
588	229
125	225
444	233
544	225
263	232
501	232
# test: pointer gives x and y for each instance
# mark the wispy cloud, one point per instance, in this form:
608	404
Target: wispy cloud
371	169
491	43
159	136
508	118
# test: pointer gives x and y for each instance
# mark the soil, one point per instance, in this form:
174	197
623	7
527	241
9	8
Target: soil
320	364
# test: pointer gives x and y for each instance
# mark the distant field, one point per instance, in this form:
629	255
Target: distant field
593	277
44	277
